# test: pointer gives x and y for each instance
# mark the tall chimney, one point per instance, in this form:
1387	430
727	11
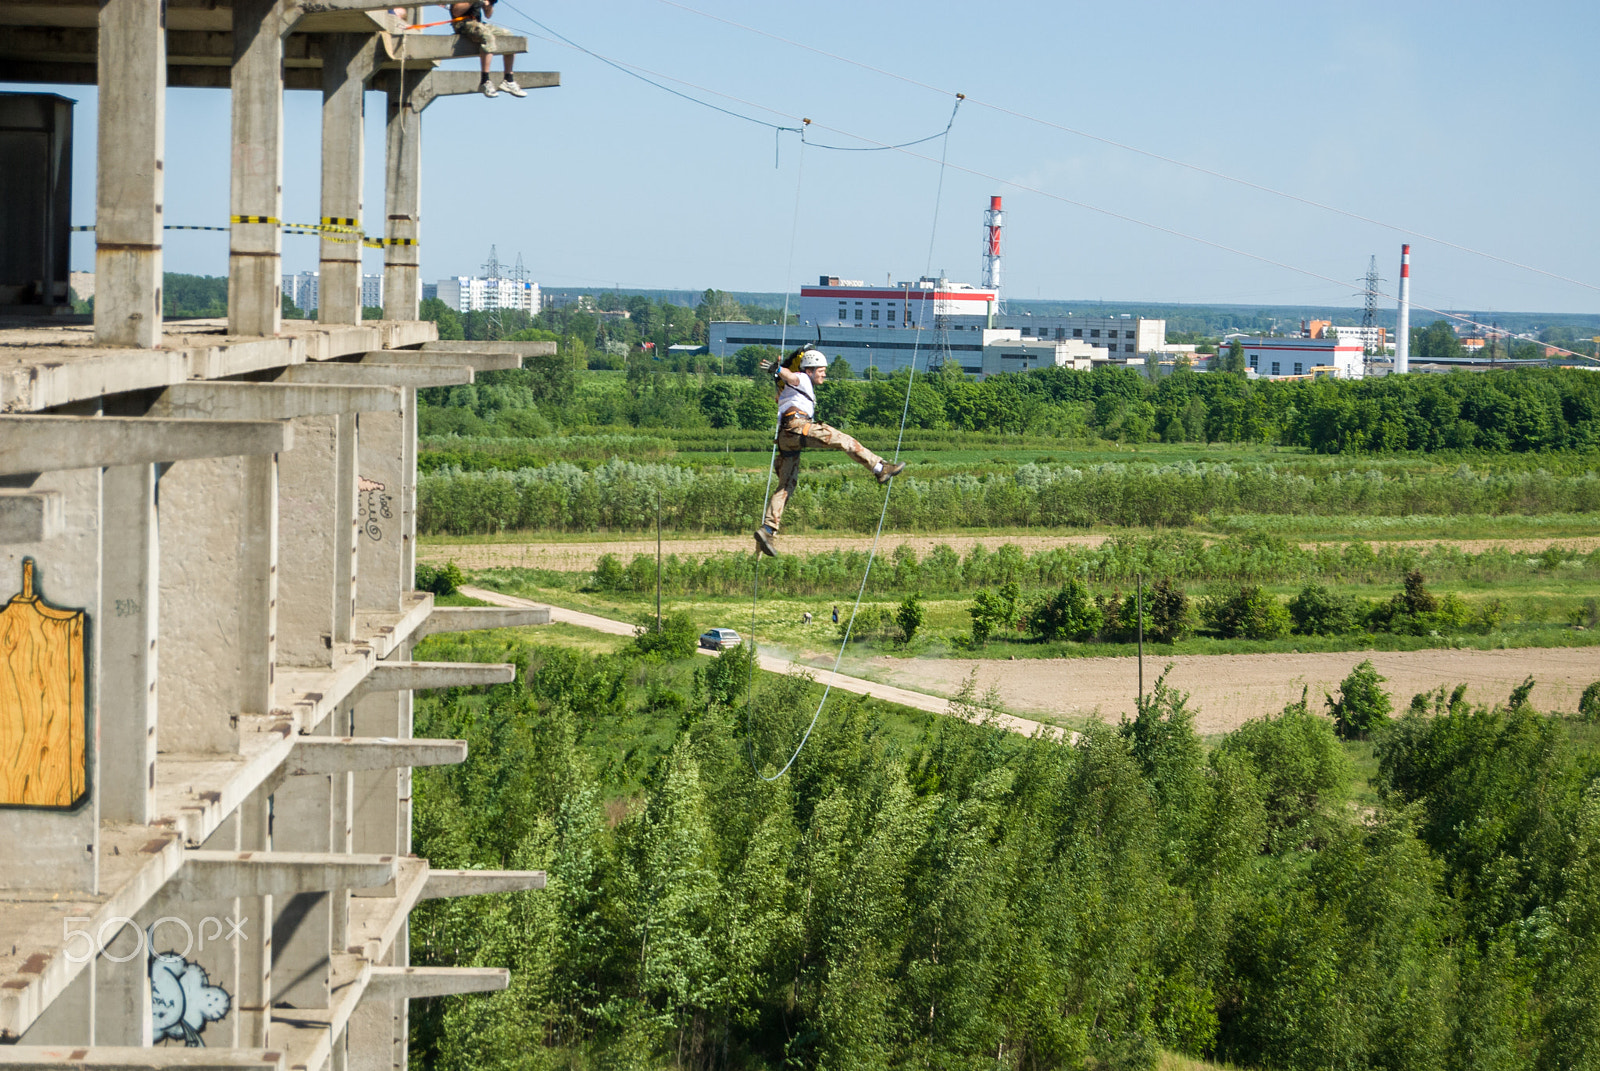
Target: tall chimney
992	220
1402	339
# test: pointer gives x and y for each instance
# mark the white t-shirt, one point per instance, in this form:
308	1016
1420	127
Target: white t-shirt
802	398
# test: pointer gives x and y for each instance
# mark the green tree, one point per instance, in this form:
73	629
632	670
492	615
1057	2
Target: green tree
1319	612
910	616
1362	705
1067	614
994	611
676	638
447	319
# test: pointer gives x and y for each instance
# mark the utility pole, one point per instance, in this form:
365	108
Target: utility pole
492	270
1139	602
658	559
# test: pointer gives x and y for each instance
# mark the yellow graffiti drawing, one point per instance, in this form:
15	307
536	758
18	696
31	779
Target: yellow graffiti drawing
42	700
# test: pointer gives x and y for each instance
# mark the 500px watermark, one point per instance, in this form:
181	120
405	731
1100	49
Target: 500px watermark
210	929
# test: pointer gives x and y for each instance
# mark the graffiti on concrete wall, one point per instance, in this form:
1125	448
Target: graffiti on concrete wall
182	1000
43	692
372	507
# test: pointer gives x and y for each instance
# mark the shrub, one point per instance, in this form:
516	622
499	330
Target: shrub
441	580
1319	612
994	611
1065	615
675	639
1166	607
910	616
1362	705
1246	612
1589	705
609	574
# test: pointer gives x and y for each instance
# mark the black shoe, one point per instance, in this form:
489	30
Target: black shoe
767	542
889	472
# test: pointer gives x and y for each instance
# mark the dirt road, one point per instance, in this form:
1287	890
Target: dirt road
1228	690
576	557
906	698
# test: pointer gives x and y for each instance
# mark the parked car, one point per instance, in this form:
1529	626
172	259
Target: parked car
719	639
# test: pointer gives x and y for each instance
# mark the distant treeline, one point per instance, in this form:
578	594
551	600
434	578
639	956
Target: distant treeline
1524	409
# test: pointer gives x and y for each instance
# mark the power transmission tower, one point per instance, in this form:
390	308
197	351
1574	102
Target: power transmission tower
493	270
1369	318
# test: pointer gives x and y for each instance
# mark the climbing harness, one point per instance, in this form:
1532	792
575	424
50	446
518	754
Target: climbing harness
883	513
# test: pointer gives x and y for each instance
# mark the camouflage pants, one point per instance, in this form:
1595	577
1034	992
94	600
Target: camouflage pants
796	433
481	32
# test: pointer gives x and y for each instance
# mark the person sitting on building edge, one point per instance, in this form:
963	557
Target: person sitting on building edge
797	379
471	20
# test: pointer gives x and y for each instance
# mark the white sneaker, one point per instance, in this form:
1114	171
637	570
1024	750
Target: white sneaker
488	89
511	87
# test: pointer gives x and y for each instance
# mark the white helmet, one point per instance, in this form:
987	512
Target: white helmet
812	358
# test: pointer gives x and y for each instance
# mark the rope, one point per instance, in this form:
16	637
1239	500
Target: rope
883	513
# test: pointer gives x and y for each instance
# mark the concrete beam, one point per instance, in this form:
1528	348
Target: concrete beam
223	875
446	883
416	48
271	401
441	83
136	1058
393	375
132	80
332	754
414	983
478	362
522	349
51	443
472	618
29	516
410	676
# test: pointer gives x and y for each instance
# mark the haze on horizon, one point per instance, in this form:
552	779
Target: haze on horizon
1469	121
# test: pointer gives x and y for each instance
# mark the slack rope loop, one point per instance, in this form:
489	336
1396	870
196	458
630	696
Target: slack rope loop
883	513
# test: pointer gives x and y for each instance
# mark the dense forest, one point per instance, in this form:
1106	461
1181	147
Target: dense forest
937	893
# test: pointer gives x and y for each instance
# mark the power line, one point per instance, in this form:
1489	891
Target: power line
905	149
1200	169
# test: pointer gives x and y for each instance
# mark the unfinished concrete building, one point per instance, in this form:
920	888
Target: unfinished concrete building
206	560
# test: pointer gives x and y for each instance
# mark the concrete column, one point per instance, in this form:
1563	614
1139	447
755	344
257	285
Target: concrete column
128	645
379	515
122	991
302	925
346	61
408	492
258	584
346	529
307	539
255	952
128	186
255	249
402	281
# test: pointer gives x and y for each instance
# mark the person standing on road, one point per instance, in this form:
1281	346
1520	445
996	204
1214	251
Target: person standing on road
797	380
471	20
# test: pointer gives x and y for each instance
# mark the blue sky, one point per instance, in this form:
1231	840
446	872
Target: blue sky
1473	122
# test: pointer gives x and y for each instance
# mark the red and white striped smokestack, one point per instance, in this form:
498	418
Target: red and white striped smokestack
992	220
1402	339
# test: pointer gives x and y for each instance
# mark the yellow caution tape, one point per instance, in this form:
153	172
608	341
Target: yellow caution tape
331	228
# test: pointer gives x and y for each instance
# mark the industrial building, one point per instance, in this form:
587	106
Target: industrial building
1282	358
207	553
475	293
